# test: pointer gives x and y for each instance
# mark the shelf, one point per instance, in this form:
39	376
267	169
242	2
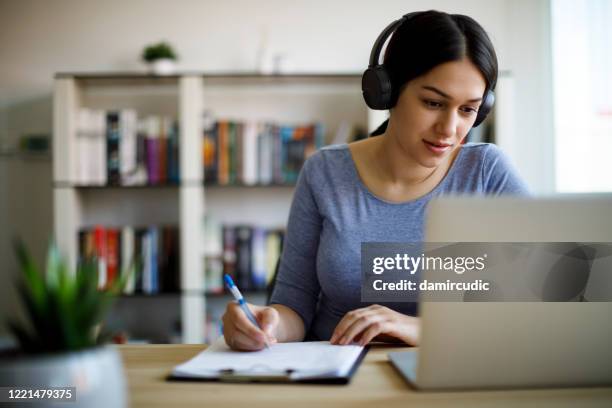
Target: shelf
248	186
221	78
63	184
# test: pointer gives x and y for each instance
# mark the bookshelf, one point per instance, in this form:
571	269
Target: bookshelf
331	99
299	98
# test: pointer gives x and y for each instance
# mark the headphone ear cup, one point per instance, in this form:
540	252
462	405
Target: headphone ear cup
376	88
485	108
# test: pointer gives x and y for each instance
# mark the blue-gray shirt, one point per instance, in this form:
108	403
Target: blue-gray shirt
332	212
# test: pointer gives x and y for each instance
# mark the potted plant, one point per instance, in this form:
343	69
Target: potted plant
63	343
161	58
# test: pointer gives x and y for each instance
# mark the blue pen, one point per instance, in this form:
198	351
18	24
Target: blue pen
231	286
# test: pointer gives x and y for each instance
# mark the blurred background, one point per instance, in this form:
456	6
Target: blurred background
65	63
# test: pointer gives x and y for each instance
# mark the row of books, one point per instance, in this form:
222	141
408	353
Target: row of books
118	148
247	253
152	250
257	152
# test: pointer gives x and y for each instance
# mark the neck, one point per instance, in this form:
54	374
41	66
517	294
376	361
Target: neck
397	166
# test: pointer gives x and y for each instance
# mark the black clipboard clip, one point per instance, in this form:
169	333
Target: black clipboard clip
255	374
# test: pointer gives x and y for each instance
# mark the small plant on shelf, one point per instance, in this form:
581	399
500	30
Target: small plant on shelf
161	58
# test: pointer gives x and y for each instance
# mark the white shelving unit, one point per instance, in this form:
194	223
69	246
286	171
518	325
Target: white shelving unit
329	99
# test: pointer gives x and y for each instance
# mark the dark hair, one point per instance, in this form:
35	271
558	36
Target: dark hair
430	38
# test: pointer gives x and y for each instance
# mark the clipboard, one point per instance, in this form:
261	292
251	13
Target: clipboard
249	367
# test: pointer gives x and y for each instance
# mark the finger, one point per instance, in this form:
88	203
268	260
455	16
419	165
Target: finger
268	319
242	323
242	341
359	326
371	332
348	320
345	323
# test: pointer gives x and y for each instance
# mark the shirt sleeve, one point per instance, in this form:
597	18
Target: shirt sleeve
297	285
499	175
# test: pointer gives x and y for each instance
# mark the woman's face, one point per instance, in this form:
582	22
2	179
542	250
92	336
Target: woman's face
435	111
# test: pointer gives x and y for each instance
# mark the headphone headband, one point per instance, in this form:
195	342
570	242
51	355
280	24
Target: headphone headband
382	38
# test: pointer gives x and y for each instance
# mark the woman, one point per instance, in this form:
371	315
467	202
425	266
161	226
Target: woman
441	67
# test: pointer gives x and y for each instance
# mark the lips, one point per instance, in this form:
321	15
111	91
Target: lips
437	147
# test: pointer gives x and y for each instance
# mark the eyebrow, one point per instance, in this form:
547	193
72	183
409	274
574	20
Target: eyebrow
442	94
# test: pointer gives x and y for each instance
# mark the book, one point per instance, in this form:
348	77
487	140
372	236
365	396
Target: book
244	256
112	256
113	137
210	153
169	262
258	258
117	148
229	251
253	152
223	154
127	257
152	154
173	153
99	234
249	153
128	123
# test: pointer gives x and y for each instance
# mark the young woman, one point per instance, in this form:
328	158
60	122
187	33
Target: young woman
442	69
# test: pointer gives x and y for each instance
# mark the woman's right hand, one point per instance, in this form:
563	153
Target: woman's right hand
241	334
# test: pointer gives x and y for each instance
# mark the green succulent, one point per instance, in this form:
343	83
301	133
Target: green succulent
158	51
64	309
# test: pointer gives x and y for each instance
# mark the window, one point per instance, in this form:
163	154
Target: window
582	86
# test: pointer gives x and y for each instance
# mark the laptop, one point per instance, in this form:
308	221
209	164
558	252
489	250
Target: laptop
480	345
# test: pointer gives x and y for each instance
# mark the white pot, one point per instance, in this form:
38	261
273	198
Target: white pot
96	373
162	66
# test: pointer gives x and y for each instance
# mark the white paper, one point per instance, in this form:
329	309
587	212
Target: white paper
318	359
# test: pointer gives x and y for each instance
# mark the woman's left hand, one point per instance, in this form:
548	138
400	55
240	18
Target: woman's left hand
363	325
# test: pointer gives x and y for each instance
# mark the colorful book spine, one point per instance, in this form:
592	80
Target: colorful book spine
173	153
113	137
244	254
127	256
224	160
210	153
112	256
154	260
100	254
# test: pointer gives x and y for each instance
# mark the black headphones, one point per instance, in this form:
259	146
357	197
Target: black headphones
376	84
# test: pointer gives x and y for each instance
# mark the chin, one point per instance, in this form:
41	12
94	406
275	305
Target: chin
429	160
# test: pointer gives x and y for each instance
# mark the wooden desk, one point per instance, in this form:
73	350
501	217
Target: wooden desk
375	385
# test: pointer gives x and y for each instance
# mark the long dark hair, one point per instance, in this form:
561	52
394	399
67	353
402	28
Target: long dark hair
431	38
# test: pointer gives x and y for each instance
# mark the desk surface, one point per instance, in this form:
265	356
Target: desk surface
375	385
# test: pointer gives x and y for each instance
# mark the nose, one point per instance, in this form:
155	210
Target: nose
447	123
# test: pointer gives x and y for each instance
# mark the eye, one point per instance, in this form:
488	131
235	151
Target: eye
470	110
432	104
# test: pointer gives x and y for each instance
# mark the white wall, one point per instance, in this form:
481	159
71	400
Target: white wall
39	38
